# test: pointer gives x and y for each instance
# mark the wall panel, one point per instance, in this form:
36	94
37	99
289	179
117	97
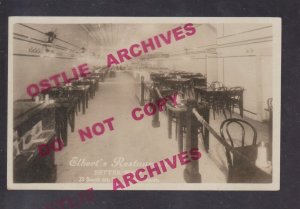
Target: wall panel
241	71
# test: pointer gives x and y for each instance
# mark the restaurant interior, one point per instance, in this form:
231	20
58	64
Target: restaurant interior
221	76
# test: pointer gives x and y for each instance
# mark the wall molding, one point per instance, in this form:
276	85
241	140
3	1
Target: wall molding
247	31
33	55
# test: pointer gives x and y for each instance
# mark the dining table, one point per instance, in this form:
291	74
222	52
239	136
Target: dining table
81	91
91	82
177	113
179	84
65	109
226	95
96	78
216	98
100	75
199	81
65	105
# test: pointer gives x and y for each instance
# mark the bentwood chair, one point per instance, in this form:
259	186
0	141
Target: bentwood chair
221	100
235	99
216	99
240	168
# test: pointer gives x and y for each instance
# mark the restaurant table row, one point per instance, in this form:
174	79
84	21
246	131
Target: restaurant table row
178	114
252	167
44	118
183	82
194	85
222	98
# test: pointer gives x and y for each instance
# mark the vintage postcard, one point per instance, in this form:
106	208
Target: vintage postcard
140	103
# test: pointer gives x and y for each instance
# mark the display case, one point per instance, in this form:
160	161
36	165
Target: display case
34	124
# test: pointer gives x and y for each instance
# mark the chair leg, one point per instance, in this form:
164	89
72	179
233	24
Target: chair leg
180	136
169	124
241	110
196	96
79	105
176	130
223	109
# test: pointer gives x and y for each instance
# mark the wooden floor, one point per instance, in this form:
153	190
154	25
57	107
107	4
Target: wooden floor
132	141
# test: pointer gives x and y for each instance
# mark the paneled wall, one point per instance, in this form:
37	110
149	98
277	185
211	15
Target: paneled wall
244	59
234	54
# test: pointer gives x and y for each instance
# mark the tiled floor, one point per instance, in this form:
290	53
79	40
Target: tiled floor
131	141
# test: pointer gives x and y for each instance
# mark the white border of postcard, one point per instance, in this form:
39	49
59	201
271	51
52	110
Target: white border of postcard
276	63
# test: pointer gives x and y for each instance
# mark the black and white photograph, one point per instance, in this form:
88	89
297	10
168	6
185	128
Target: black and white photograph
144	103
